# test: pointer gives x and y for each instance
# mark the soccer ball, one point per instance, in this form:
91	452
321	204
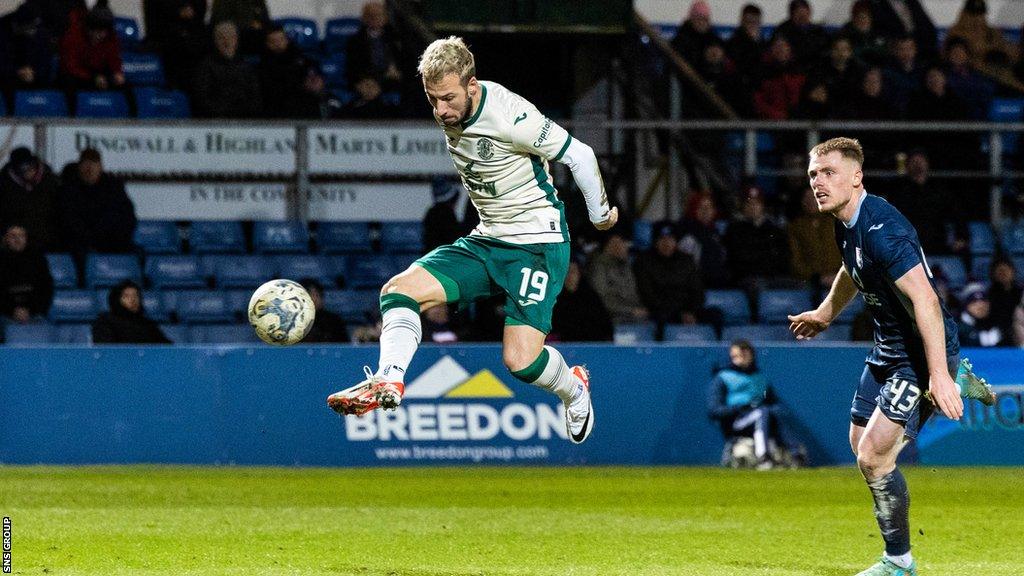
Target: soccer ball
281	312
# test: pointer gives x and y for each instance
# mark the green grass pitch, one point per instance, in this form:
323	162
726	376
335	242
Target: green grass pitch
496	521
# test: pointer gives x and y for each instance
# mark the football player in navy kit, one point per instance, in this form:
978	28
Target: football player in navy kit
914	362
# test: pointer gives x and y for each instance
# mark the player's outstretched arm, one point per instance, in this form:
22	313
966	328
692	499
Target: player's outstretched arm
928	316
582	162
813	322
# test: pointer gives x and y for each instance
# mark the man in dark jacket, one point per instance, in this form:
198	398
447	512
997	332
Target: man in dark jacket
225	86
126	322
26	52
327	326
930	207
28	196
292	85
579	314
374	62
808	39
96	212
177	30
26	287
757	247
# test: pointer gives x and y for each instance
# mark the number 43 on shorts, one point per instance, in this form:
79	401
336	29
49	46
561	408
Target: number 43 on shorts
534	286
904	395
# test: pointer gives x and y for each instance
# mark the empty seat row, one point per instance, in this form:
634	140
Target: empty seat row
773	305
150	103
44	333
699	334
207	237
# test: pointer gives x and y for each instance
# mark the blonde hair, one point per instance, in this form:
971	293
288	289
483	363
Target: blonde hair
848	147
447	56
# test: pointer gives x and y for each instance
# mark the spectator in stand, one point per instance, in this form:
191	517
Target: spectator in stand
976	325
986	44
1004	293
327	326
225	86
28	196
701	240
176	29
250	18
904	75
374	63
964	81
869	104
903	18
126	321
96	213
56	14
814	256
930	207
779	91
612	277
841	72
669	283
442	224
757	247
720	75
579	314
26	50
26	287
868	45
935	102
815	102
90	53
292	84
746	46
808	40
695	33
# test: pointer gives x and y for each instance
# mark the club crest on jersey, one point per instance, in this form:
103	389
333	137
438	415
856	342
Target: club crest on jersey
485	149
858	256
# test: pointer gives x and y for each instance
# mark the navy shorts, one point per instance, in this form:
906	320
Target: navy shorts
897	389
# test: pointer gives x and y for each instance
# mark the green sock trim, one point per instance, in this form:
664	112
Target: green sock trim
531	373
395	300
451	288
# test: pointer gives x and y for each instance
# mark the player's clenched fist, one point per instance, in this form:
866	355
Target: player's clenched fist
613	217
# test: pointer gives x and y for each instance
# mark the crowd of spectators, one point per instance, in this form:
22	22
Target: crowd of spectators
236	63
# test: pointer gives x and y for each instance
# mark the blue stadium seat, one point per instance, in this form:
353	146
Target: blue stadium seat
177	333
222	334
128	32
74	306
216	237
324	269
106	270
143	69
353	305
1007	110
157	103
634	333
979	268
402	237
302	31
200	306
340	97
775	305
333	69
850	312
667	31
101	105
983	241
835	333
40	104
280	237
175	271
733	303
643	232
35	333
949	267
338	31
62	268
153	303
72	334
343	237
246	271
238	301
758	333
157	237
1013	238
370	271
696	334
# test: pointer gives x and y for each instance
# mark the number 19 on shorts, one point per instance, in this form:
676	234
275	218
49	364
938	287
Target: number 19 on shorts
534	285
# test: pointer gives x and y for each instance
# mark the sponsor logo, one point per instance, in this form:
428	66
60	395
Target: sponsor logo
876	227
485	148
545	131
519	119
859	256
446	403
525	303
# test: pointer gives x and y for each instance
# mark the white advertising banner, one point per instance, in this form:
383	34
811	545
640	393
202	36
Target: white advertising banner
255	201
15	136
173	150
380	150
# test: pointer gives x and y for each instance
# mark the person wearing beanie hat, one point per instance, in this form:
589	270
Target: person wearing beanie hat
90	53
28	196
977	326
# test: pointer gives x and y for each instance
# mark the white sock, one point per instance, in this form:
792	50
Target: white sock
903	561
399	337
558	378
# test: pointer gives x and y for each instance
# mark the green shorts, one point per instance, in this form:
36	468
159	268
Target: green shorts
476	267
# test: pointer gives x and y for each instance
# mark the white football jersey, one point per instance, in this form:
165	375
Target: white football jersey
502	153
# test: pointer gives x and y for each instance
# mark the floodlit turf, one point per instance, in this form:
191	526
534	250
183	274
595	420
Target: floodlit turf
533	521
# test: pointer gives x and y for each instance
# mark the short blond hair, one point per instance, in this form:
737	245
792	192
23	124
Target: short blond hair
447	56
847	147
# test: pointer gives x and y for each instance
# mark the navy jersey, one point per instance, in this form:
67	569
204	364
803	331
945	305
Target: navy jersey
879	246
